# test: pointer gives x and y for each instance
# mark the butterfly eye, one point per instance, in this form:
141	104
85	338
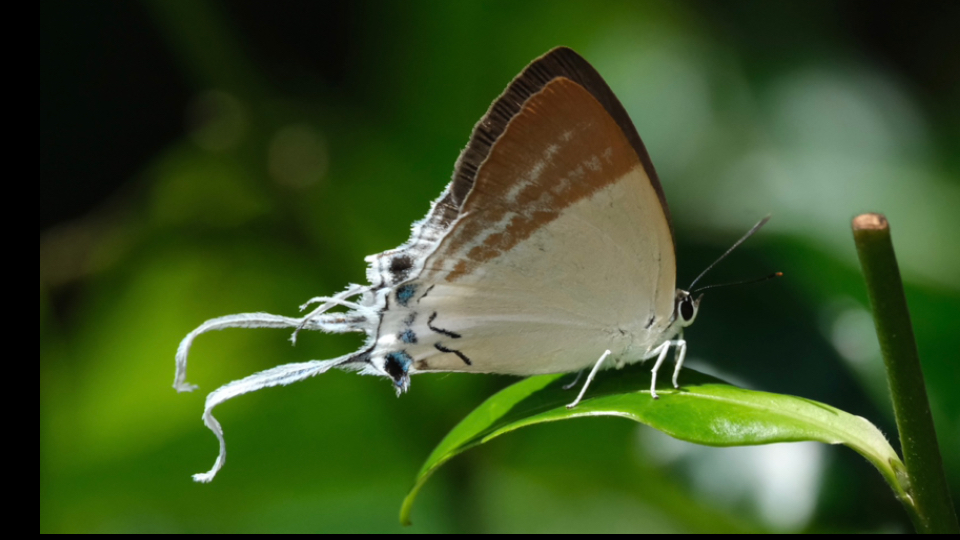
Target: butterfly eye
686	308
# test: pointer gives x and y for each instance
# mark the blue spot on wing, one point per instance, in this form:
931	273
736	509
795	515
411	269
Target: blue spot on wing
405	293
408	336
397	364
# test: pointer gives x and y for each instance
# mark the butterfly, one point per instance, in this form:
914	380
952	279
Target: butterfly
550	251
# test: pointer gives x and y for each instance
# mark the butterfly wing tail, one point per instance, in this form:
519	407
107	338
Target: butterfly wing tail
280	375
357	319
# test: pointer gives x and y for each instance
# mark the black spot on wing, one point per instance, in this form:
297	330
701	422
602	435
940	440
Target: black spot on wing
397	364
425	293
447	333
462	356
400	266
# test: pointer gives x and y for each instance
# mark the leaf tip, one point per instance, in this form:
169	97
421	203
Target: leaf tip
406	508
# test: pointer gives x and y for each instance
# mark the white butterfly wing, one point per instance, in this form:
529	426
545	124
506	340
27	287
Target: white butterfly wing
561	250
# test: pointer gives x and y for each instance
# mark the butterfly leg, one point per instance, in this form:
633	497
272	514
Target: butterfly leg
575	381
593	372
679	354
663	349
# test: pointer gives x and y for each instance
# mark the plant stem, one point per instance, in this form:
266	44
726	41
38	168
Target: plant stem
928	503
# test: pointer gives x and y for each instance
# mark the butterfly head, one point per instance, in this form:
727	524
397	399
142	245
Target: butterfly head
685	308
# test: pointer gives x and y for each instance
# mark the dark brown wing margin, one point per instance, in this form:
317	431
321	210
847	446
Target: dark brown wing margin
559	62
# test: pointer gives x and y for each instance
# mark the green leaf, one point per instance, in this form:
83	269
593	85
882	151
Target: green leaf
703	410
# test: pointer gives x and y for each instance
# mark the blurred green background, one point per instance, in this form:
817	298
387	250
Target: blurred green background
208	158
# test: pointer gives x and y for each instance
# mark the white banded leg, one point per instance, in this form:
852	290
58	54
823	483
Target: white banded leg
661	353
680	352
593	372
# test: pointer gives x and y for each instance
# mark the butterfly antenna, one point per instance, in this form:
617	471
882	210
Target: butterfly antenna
750	233
745	282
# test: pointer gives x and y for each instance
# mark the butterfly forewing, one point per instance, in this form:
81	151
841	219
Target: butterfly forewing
554	256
